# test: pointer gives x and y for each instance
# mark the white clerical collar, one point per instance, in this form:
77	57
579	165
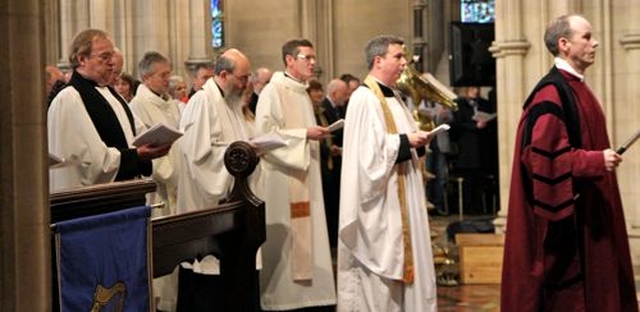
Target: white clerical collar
564	65
286	74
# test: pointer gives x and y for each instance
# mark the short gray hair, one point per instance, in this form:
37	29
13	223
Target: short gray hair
379	45
146	63
174	80
560	27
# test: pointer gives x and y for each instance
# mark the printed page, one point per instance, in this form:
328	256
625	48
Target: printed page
158	135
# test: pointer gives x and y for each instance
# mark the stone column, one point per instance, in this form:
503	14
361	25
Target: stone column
66	32
509	49
52	31
124	16
419	35
179	34
199	40
316	25
74	17
101	15
25	260
627	112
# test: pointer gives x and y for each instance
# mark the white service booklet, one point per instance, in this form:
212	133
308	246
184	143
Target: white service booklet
56	161
339	124
438	129
158	135
267	142
483	116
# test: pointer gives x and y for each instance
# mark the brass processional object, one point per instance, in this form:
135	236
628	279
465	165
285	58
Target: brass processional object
428	88
424	88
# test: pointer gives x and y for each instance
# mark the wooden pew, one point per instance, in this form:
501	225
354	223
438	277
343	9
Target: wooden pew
233	231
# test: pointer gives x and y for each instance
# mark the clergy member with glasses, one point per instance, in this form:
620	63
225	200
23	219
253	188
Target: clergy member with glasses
297	271
91	126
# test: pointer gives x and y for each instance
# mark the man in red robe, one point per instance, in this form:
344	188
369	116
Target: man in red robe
566	244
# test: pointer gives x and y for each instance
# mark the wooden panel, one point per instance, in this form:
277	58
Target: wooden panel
480	258
97	199
481	264
477	239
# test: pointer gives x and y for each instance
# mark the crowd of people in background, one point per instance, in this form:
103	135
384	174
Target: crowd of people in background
358	193
228	101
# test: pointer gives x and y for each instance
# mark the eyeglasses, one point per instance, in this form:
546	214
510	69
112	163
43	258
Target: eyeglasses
308	58
104	56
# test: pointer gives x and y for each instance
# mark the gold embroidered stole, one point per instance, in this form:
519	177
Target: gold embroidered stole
408	275
296	114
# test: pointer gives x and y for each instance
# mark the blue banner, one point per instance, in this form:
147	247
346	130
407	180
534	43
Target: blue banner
103	262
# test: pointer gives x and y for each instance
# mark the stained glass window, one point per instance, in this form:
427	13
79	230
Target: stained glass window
477	11
217	24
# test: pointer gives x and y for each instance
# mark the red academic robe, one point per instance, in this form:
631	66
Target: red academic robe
564	253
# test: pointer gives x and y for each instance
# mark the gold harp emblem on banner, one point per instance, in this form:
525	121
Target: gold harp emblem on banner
103	296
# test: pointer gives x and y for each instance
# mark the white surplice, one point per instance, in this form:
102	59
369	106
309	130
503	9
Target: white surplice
153	109
370	249
209	125
73	136
279	99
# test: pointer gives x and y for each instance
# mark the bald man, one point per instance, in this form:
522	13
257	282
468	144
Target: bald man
54	82
118	65
211	121
259	78
337	96
52	75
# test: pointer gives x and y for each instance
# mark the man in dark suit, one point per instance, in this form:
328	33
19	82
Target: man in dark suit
333	104
472	136
259	78
201	73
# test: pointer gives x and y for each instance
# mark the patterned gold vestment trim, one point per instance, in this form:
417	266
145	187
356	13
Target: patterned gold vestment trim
406	228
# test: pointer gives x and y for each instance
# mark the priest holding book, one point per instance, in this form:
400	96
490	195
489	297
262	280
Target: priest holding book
385	262
91	126
153	105
211	121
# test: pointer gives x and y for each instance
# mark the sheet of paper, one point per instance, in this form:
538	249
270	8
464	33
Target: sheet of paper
267	142
438	129
483	116
339	124
158	135
59	162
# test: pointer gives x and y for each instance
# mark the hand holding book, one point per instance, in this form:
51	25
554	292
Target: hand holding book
481	116
158	135
436	130
339	124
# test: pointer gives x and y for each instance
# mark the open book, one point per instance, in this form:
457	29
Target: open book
438	129
483	116
158	135
267	142
56	161
339	124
